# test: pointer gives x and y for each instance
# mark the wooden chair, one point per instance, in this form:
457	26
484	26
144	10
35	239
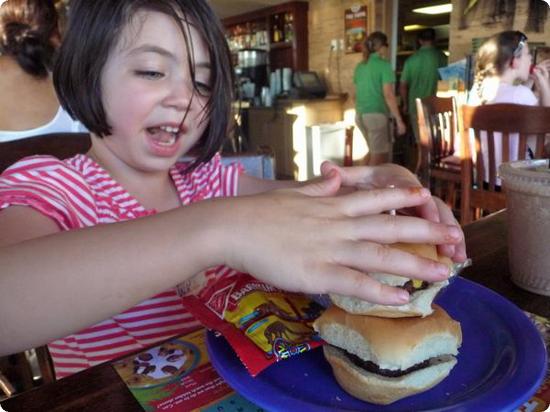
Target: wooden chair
438	166
17	371
61	145
499	124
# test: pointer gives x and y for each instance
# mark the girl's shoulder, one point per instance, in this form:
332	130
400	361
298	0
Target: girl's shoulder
39	164
516	94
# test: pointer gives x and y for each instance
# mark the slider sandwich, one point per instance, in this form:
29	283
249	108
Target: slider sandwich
422	293
381	360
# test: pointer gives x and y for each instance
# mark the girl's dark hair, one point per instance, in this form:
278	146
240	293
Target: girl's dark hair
94	29
28	32
494	56
373	43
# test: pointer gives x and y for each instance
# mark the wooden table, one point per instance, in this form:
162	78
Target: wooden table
100	388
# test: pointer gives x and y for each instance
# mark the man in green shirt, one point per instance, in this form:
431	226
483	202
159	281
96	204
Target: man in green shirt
420	75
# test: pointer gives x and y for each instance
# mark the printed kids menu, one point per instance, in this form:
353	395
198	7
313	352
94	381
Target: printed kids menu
178	376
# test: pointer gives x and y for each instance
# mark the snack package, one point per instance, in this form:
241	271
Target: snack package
262	323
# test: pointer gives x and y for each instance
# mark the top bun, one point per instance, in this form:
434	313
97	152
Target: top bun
394	344
420	303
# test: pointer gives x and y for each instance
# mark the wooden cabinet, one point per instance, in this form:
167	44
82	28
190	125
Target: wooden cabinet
280	30
283	129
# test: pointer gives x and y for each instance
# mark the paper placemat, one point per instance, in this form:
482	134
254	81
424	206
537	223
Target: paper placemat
178	376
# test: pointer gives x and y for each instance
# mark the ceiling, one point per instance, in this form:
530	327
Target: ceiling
228	8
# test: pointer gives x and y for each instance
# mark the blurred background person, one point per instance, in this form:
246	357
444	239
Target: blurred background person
420	75
374	81
29	37
504	73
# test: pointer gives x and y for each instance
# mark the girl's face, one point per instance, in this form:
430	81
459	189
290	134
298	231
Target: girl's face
522	64
147	87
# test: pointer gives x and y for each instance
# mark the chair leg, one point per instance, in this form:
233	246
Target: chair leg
46	364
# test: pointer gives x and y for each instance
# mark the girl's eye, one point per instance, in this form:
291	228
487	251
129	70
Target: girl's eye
203	88
149	74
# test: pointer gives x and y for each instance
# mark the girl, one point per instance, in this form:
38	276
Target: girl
115	230
374	82
504	74
502	68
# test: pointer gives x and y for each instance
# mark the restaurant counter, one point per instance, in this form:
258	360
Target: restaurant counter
101	389
282	128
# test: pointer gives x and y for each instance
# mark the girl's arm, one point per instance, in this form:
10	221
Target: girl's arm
304	239
391	102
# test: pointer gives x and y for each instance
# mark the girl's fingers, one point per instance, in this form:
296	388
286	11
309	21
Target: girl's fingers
387	229
328	186
350	282
351	176
373	257
428	211
456	252
381	200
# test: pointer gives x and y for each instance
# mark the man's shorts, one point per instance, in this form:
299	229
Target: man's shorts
375	127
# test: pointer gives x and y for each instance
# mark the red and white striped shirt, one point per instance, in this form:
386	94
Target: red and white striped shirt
78	193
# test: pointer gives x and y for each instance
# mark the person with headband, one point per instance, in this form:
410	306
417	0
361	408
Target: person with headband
374	81
504	73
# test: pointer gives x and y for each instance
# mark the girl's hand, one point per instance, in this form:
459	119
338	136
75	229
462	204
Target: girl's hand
389	175
380	177
307	239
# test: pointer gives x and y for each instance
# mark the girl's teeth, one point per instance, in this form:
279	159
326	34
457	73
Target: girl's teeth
168	142
169	129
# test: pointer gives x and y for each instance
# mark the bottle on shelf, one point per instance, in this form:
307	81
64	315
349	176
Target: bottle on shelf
277	32
289	29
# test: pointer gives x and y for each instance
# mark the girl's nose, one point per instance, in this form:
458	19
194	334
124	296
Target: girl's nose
180	94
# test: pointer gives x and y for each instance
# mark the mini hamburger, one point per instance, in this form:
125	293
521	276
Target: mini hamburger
381	360
422	293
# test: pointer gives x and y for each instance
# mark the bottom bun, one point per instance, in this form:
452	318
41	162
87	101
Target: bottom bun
378	389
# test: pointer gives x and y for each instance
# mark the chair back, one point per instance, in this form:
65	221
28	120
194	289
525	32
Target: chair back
492	134
61	145
438	128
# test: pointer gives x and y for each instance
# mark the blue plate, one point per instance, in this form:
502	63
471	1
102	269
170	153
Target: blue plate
501	364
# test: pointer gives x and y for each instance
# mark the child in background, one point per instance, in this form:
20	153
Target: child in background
502	69
93	248
504	74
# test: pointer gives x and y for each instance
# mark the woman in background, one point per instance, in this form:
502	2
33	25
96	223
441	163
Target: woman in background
29	37
374	82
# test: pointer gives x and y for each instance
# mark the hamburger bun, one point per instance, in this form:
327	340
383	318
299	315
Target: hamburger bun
381	360
420	303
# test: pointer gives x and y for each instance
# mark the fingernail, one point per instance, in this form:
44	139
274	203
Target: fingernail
443	271
403	296
424	192
454	232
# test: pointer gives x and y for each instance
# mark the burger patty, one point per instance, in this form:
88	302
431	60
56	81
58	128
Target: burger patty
388	373
409	286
